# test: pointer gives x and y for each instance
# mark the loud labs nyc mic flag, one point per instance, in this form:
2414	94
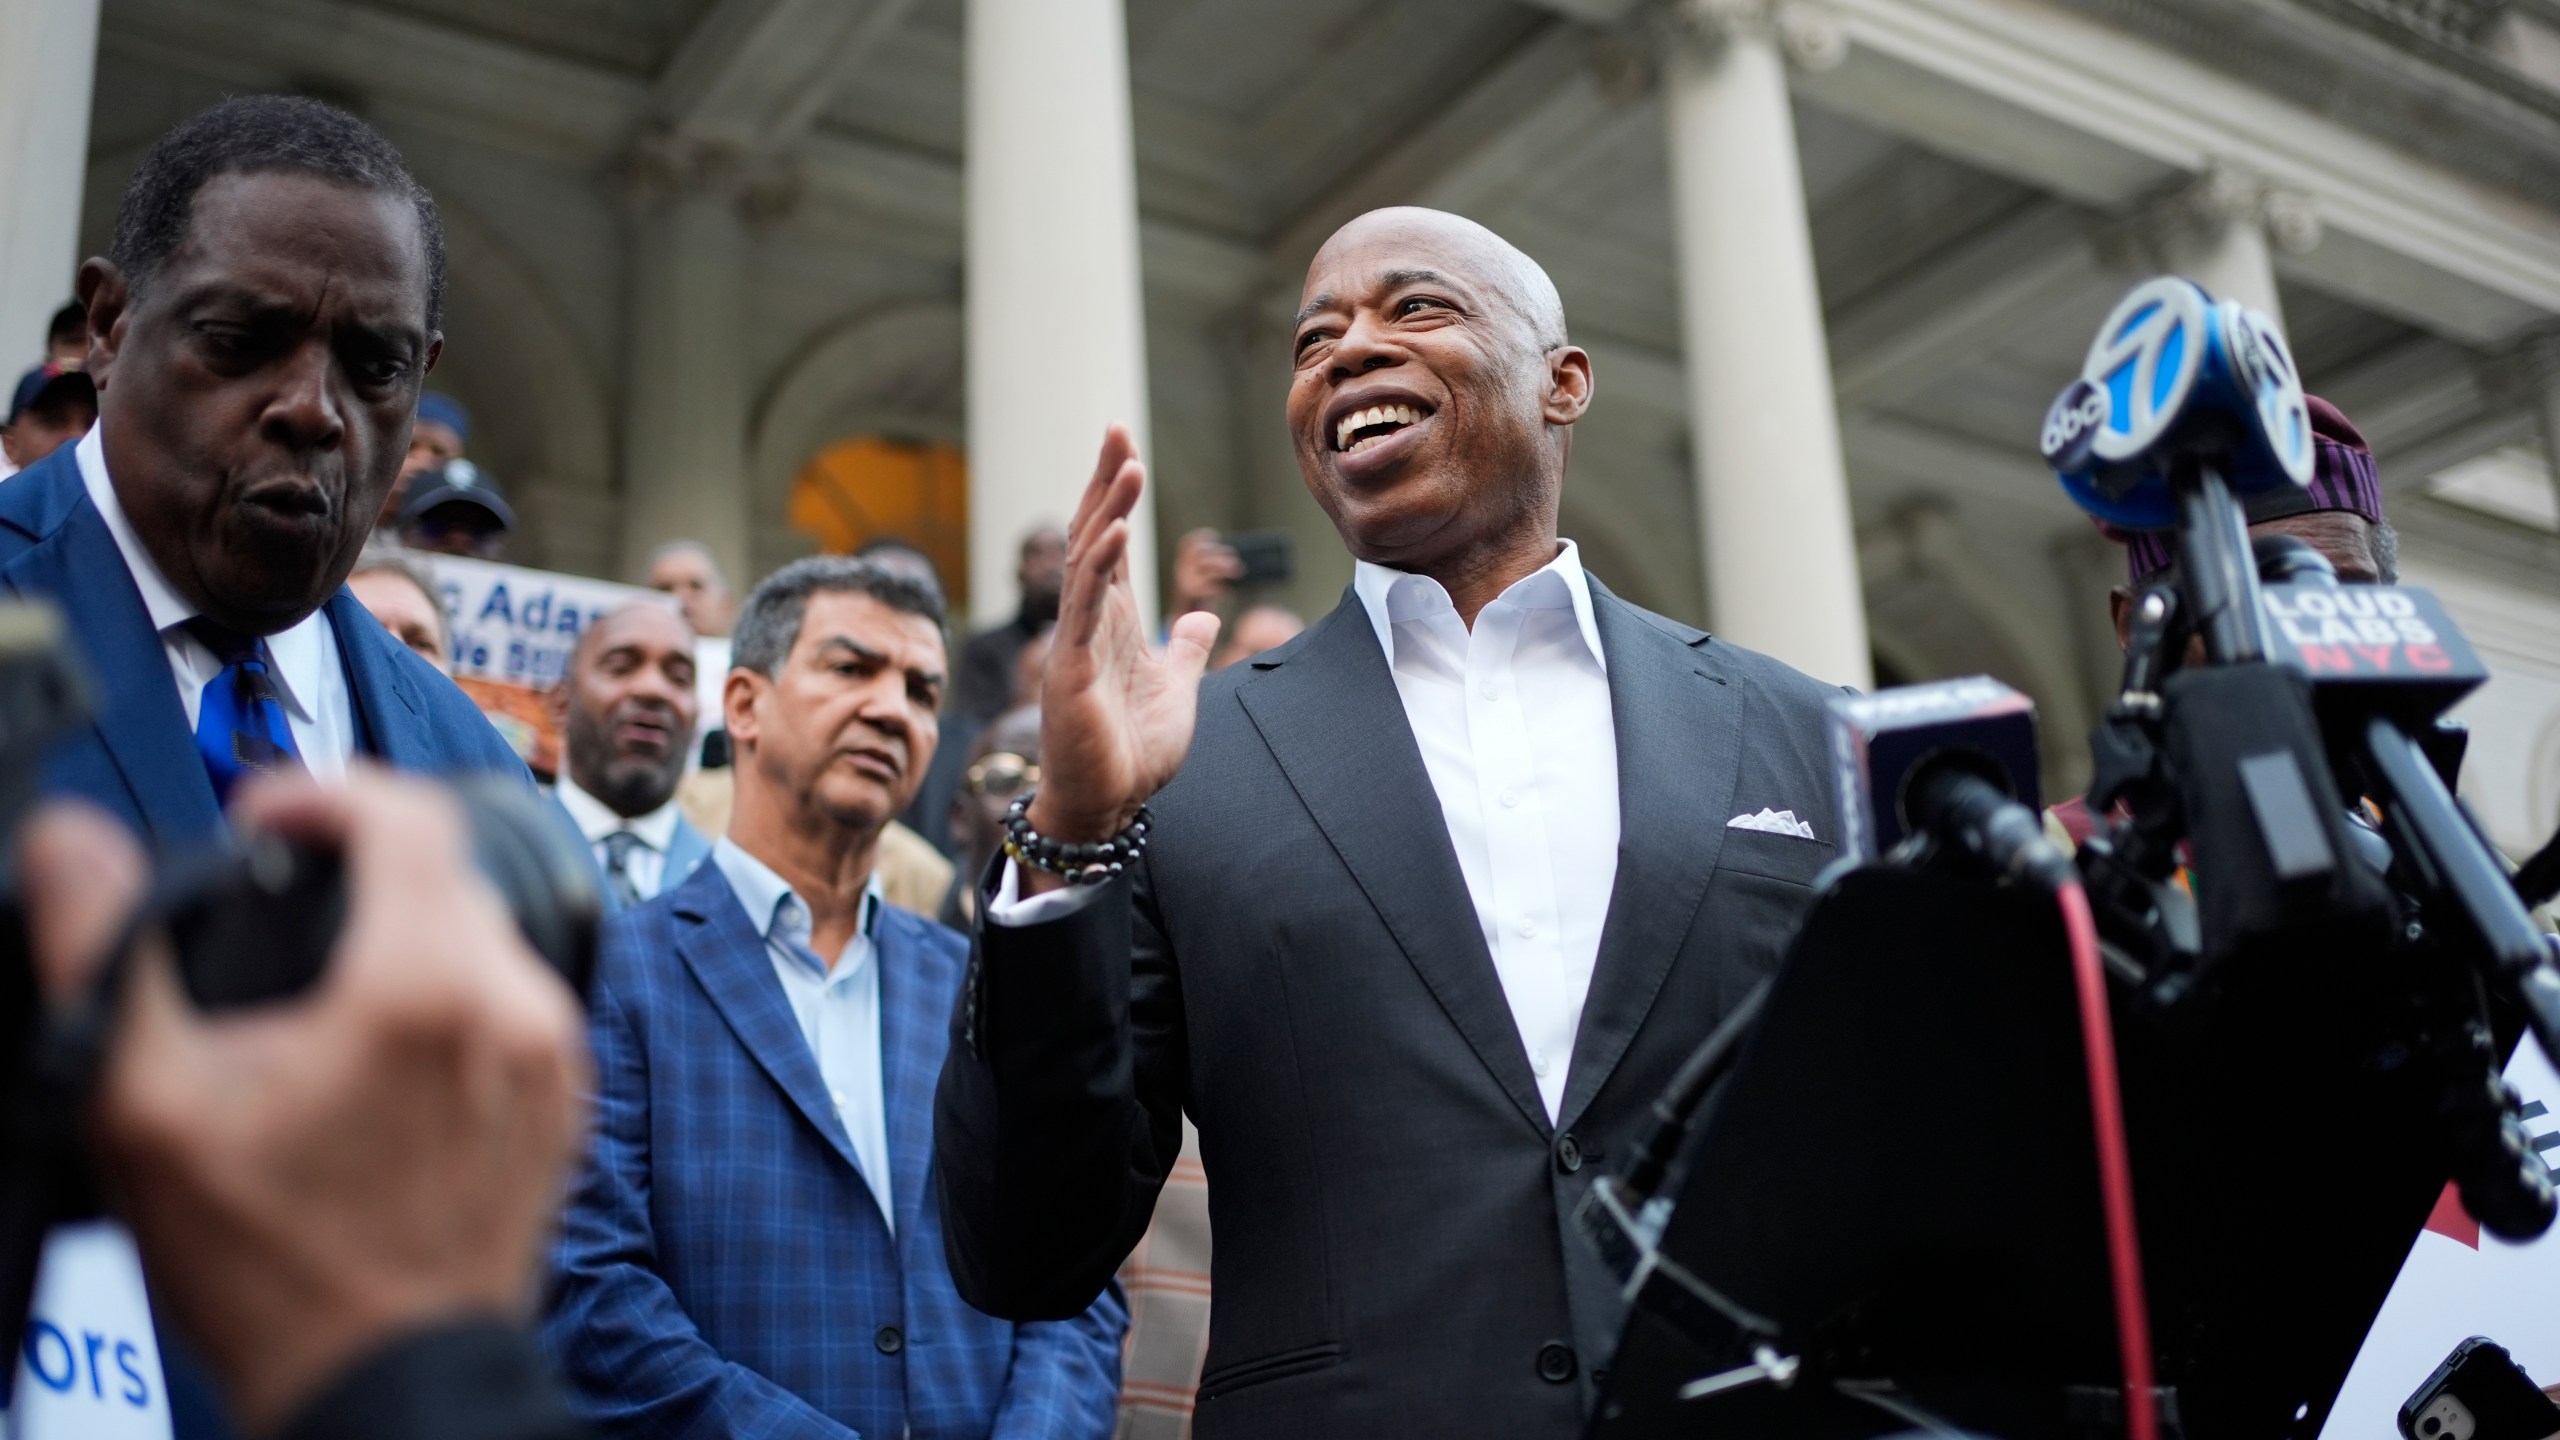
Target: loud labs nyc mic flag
2459	1282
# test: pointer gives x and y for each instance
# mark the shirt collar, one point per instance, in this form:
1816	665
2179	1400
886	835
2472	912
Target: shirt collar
596	819
1392	595
297	651
765	895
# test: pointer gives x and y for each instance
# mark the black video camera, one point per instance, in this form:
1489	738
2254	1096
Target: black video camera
249	924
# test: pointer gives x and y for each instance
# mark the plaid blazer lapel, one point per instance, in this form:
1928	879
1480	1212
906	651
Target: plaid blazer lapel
726	954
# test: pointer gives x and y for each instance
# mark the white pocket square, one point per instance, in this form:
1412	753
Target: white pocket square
1772	822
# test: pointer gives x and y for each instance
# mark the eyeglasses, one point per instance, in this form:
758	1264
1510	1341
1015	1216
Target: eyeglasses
1002	774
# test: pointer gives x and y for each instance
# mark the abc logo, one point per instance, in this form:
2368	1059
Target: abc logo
2071	424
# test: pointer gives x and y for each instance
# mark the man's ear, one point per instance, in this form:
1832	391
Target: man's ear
738	706
435	352
2120	610
109	301
1568	384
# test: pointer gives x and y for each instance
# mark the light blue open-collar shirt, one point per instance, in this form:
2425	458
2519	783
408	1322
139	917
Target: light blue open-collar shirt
838	1007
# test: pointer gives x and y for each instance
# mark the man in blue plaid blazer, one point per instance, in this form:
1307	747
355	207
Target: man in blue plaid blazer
756	1248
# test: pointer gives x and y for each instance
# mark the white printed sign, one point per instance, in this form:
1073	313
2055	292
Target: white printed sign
517	626
88	1366
2459	1282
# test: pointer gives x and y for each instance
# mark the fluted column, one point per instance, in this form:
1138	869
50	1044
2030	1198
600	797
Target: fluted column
2541	372
48	59
2223	231
685	397
1773	495
1056	324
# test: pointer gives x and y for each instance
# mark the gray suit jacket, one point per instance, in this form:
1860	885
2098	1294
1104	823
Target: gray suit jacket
1297	964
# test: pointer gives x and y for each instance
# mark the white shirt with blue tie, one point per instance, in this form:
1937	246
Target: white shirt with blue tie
309	678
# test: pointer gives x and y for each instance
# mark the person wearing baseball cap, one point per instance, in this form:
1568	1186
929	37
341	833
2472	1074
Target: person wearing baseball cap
436	439
54	404
2338	514
457	510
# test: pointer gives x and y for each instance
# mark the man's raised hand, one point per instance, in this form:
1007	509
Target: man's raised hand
1115	713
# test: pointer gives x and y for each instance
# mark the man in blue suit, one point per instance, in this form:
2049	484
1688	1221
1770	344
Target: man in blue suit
259	329
757	1245
626	710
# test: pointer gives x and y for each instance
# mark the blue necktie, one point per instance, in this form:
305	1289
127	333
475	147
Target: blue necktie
240	726
617	868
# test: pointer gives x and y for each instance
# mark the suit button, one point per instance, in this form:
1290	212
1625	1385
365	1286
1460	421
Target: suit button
1568	1154
1555	1362
891	1342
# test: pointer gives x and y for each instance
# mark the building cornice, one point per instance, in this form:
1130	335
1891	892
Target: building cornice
2428	85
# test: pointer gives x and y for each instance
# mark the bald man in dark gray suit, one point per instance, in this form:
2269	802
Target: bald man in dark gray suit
1434	900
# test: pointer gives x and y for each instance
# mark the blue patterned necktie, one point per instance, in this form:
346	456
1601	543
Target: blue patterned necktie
240	726
617	867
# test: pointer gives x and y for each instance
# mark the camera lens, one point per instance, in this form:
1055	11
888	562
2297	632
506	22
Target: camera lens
2430	1425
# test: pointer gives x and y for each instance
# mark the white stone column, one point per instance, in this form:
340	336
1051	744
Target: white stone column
2542	371
48	60
1056	346
684	432
2223	231
1773	495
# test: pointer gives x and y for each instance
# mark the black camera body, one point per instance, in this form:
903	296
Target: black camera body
249	924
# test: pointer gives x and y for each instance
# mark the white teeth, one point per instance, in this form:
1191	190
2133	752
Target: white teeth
1374	415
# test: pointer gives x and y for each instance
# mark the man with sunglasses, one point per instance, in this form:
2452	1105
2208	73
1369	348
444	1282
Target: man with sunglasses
1004	761
457	510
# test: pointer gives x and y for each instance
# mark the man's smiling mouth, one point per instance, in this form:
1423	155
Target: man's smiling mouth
1363	428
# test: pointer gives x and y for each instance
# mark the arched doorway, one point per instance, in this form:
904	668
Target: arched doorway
875	487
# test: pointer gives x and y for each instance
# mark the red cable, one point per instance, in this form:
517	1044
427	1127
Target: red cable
2115	1167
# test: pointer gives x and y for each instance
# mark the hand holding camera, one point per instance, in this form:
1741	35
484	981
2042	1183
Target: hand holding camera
311	1179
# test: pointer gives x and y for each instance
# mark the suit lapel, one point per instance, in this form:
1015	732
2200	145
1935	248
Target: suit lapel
1679	759
386	711
140	718
911	1024
685	854
1328	709
726	953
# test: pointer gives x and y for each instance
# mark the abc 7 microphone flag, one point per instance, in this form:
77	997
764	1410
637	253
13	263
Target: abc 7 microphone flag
2172	362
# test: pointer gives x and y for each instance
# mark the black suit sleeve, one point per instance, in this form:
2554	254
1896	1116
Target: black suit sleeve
474	1380
1060	1109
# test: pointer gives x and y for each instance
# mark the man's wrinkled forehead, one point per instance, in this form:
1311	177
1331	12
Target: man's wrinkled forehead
1386	250
246	241
649	624
1363	258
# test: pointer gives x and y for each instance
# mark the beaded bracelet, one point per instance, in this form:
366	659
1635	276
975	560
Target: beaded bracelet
1077	864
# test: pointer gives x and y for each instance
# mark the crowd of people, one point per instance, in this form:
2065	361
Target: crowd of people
929	984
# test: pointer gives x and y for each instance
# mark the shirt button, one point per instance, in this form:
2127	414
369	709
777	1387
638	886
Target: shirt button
838	1096
889	1340
1510	799
1487	690
1528	928
1538	1064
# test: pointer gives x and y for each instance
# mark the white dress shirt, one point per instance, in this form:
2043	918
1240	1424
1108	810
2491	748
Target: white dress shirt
656	832
1518	735
838	1006
310	678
